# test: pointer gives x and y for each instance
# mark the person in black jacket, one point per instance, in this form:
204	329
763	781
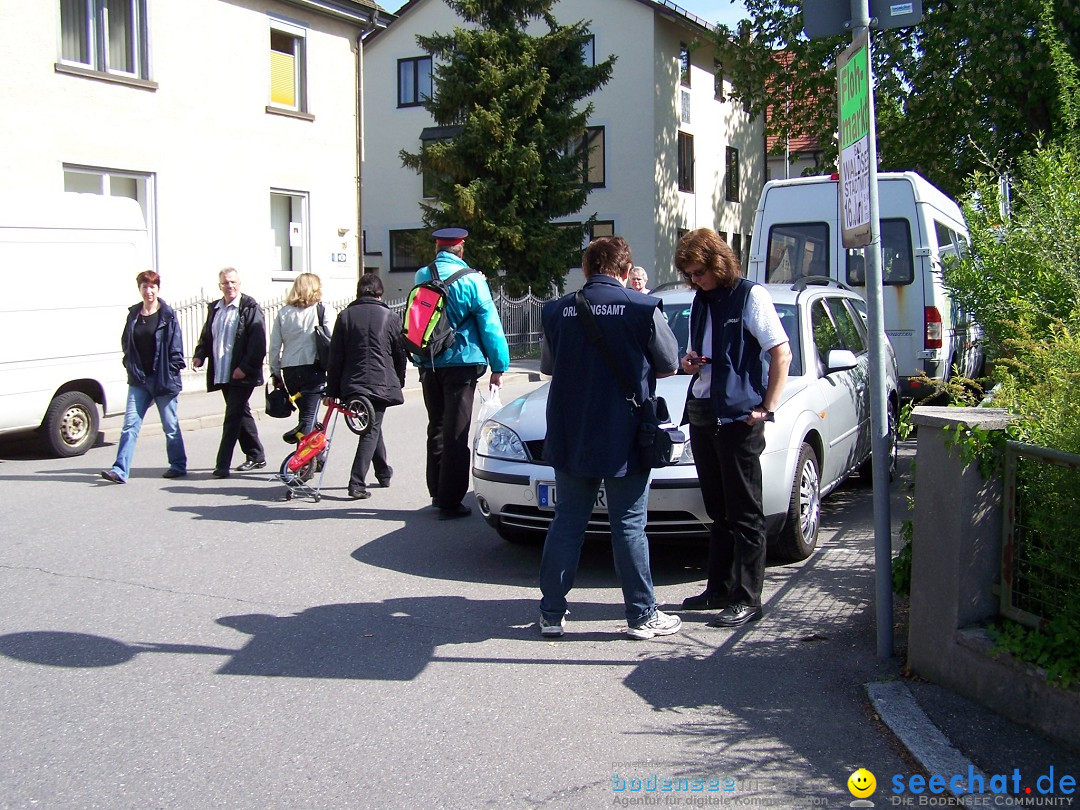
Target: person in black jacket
234	341
153	356
366	358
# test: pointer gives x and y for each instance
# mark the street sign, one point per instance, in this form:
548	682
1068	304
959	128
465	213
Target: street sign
853	94
827	18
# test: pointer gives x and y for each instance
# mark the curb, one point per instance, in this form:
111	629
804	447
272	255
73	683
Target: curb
898	709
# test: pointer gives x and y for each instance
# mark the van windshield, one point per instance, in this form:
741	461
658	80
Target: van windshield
797	250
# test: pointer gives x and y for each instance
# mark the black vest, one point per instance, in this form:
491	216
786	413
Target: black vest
737	386
591	428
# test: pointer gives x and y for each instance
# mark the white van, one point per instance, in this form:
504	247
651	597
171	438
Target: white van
70	261
797	233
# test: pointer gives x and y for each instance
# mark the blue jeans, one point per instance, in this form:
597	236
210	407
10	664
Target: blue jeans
627	500
138	403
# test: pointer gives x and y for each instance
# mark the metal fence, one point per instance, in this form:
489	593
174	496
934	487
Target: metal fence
1040	573
520	319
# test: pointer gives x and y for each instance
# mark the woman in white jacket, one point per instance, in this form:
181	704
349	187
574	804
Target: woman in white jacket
293	352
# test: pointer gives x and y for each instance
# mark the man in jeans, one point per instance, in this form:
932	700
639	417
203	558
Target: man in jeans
592	433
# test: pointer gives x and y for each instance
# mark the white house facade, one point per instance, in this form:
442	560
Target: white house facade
669	152
234	123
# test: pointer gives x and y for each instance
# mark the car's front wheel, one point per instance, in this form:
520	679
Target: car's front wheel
798	538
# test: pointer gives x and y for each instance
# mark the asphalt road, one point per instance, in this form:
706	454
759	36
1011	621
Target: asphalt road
202	643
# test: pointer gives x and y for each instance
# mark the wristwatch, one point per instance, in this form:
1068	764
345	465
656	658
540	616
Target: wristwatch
769	415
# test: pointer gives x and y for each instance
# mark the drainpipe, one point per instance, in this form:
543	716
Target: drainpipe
360	145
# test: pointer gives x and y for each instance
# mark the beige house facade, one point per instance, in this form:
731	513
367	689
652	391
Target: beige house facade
234	123
668	151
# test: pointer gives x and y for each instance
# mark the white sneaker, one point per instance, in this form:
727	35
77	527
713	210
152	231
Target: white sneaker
659	624
548	629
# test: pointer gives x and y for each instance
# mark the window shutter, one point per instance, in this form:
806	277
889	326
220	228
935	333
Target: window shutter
283	78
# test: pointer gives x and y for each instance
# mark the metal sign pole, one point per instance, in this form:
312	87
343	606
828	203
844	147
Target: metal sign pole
879	414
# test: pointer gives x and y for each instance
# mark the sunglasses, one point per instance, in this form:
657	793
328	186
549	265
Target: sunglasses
694	274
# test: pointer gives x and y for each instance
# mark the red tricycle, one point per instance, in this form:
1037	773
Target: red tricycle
309	459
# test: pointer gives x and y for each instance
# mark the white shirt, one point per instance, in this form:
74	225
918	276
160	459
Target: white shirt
226	317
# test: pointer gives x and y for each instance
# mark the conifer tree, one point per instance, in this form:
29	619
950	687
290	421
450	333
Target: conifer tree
511	101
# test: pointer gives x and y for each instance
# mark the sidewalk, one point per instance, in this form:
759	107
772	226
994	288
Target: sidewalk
198	408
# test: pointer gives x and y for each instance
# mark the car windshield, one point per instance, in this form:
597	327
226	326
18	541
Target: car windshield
678	318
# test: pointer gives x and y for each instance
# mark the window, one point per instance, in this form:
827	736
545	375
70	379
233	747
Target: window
105	35
736	246
289	230
684	64
288	79
589	148
684	106
826	338
138	186
796	250
602	227
731	174
896	257
686	162
718	80
414	81
588	51
407	250
851	330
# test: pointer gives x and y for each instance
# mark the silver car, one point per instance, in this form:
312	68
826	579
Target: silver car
820	436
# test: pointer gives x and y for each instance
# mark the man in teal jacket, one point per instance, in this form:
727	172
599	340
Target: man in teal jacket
449	382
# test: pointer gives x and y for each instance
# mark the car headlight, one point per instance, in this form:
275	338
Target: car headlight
498	441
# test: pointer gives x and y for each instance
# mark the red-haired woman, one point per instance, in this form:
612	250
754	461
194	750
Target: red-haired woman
154	358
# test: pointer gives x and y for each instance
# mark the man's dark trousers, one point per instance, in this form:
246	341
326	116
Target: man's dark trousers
448	396
728	460
238	424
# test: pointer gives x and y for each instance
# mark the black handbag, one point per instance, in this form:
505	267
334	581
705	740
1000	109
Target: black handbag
660	443
322	340
279	404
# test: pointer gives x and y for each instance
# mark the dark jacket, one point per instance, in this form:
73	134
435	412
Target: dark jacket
168	353
591	428
249	348
366	356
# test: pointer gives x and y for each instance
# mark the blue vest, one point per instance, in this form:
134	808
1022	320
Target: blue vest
591	428
737	386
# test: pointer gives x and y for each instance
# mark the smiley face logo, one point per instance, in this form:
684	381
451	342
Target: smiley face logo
861	783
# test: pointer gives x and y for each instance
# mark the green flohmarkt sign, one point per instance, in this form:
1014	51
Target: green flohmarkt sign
853	94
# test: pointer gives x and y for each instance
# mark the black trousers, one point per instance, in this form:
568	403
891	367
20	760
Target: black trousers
448	396
370	449
239	424
728	460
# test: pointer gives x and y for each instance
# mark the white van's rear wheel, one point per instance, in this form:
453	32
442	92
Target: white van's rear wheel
71	424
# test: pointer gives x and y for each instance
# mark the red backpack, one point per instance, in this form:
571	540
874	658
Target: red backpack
427	329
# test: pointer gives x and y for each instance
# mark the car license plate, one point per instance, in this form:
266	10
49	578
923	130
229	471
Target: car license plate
546	498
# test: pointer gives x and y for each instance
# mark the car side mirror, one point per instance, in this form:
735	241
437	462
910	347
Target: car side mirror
840	360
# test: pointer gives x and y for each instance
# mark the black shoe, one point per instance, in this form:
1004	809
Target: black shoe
292	436
459	511
704	601
251	464
384	481
112	475
220	473
736	615
171	473
359	493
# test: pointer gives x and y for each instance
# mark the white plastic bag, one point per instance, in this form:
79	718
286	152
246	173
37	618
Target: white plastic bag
489	406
